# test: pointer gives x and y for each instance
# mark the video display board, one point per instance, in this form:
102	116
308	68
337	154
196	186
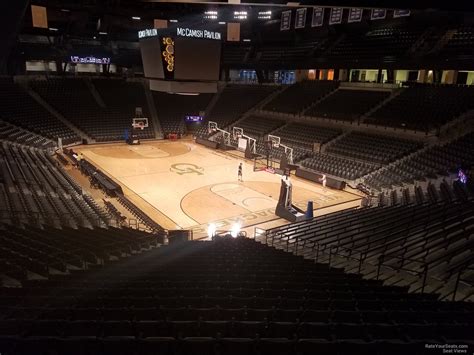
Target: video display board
181	54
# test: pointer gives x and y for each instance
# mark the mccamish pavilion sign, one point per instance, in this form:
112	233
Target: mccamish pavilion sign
188	32
183	32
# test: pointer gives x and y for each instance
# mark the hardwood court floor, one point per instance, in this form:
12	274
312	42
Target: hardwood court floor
185	185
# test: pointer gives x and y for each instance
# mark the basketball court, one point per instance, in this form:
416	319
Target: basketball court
183	185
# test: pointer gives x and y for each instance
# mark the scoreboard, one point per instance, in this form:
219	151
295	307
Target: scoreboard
181	54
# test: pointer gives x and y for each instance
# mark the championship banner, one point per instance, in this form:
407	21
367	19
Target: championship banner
335	16
39	16
378	14
318	17
233	31
355	15
401	13
300	18
285	22
159	23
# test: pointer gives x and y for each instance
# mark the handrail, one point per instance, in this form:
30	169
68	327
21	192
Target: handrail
423	273
467	265
362	255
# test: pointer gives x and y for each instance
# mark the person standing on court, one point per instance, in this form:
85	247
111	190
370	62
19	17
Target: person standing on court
239	174
323	181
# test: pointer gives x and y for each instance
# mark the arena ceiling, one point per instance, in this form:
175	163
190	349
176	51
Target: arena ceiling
190	5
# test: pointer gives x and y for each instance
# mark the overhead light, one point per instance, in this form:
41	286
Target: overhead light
246	40
65	10
173	20
211	15
235	230
136	18
53	29
221	23
265	15
211	230
240	15
102	33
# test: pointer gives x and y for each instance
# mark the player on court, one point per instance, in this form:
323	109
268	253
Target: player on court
323	181
239	174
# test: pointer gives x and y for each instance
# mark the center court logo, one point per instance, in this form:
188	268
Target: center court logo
186	168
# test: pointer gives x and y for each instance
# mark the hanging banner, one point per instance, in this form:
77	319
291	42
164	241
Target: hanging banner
39	16
300	18
318	17
355	15
160	23
401	13
233	32
378	14
336	16
285	22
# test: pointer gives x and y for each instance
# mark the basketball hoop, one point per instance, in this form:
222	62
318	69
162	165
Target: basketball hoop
139	125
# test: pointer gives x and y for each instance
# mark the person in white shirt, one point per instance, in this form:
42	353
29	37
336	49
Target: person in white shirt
323	181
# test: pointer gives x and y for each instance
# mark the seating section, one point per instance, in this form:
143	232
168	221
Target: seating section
230	296
137	212
388	44
424	107
439	160
100	180
345	168
47	251
377	149
75	100
233	102
415	238
301	137
121	98
234	54
19	135
300	96
460	44
19	108
299	52
304	136
36	190
347	105
257	127
172	108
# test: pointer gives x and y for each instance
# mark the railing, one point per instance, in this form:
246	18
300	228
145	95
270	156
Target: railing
363	84
424	267
465	267
362	255
294	245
